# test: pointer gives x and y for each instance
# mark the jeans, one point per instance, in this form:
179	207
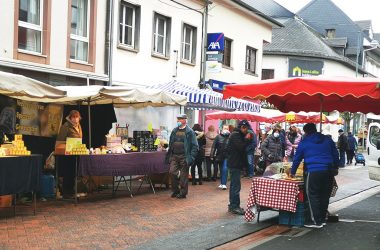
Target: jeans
235	187
342	158
250	165
223	172
197	164
208	167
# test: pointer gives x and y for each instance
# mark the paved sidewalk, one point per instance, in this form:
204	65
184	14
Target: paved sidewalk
120	223
146	221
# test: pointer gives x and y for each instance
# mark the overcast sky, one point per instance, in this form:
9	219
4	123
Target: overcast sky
355	9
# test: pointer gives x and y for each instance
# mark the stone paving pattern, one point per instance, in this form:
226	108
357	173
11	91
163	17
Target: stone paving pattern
100	222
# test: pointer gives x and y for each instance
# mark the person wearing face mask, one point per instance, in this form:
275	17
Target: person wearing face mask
70	129
272	148
183	150
219	154
292	141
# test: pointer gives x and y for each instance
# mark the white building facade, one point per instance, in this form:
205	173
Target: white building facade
58	42
157	41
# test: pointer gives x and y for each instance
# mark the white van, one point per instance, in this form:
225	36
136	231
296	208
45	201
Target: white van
373	150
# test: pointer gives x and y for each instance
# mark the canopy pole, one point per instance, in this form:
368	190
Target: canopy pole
89	122
320	113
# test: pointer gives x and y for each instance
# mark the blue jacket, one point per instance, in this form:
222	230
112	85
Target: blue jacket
318	152
352	143
190	144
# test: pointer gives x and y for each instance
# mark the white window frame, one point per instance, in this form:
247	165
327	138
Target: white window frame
34	27
252	68
133	27
82	38
185	26
156	35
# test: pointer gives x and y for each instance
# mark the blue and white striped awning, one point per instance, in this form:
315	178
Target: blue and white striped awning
207	99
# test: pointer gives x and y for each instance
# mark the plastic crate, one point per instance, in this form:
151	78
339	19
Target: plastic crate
293	219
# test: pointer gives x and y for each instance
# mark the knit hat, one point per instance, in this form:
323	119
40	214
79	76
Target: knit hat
340	131
244	123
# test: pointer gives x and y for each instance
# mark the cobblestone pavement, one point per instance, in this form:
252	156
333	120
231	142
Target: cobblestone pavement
100	222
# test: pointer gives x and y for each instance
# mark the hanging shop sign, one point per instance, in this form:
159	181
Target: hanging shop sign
300	68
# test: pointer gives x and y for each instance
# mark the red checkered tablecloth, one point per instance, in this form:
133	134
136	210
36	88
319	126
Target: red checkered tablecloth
272	193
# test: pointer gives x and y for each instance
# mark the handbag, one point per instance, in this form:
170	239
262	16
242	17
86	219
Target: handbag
334	188
50	162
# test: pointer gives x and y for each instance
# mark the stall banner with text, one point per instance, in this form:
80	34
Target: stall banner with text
29	118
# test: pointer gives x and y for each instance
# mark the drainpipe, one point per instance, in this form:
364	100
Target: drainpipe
109	40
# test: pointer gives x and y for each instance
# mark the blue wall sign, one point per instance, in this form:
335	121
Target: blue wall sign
215	41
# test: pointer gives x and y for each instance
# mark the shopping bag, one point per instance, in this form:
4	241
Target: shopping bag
50	162
334	188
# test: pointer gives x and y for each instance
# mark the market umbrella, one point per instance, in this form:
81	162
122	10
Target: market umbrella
239	115
313	93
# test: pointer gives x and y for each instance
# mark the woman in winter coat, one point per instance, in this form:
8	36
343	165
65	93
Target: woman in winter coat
292	138
210	137
200	156
219	155
272	148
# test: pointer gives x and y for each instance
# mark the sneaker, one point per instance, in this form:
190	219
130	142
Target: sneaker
324	223
220	186
238	211
224	187
181	196
314	225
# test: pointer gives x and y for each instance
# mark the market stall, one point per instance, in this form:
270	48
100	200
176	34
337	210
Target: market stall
19	169
313	94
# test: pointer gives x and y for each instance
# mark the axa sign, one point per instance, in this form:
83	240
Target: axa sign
215	41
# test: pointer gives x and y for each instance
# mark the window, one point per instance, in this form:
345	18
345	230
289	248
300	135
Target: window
227	52
250	60
30	25
330	33
267	74
161	35
374	136
129	22
189	39
79	37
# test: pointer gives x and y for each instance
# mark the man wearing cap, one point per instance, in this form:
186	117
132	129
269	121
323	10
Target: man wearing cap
183	148
321	159
342	147
236	162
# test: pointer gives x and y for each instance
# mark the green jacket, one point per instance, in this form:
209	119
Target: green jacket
190	143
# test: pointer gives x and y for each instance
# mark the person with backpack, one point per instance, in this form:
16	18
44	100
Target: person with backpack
219	155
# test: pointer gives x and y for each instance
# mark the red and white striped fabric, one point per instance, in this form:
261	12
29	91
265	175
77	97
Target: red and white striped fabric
272	193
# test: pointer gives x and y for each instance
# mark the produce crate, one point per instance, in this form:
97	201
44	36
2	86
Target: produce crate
293	219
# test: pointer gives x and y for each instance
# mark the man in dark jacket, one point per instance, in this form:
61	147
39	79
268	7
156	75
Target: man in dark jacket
320	164
183	148
342	147
352	145
236	161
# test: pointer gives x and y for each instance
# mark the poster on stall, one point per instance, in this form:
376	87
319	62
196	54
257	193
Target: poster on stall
29	118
